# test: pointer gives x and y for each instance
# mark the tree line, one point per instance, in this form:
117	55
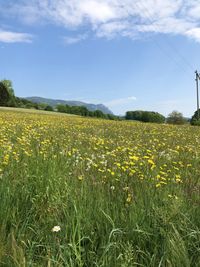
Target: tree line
8	99
174	117
83	111
145	116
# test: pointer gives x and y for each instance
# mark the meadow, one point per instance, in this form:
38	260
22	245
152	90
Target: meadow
83	192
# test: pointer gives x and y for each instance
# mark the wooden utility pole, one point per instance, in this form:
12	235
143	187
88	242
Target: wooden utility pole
197	86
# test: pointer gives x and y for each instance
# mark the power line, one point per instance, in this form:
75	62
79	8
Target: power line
197	86
156	29
184	59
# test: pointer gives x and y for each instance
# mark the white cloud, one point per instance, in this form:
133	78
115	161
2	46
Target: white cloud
120	101
14	37
194	33
194	9
111	18
96	11
68	40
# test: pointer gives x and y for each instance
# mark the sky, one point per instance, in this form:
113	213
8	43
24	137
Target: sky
128	55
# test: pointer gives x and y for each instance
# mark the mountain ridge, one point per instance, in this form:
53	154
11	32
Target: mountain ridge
55	102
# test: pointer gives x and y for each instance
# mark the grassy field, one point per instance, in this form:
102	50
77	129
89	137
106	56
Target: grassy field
33	111
121	194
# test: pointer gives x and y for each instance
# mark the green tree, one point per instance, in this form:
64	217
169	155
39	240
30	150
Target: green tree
84	111
195	120
176	117
145	116
134	115
42	106
49	108
111	117
9	86
99	114
91	113
68	109
4	95
61	108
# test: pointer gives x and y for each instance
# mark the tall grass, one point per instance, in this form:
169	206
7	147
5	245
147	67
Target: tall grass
62	171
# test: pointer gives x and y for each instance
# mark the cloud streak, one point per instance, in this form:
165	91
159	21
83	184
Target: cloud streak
121	101
111	18
68	40
14	37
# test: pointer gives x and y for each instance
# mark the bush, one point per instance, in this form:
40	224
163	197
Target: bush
176	118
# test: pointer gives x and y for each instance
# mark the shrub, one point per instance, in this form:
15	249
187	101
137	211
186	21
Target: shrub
176	118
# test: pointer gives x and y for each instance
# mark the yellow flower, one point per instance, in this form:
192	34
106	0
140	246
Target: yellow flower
150	161
158	185
129	198
134	158
80	178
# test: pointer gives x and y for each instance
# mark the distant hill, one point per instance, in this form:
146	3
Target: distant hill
55	102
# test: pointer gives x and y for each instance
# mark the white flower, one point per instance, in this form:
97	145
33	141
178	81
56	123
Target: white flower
56	229
112	188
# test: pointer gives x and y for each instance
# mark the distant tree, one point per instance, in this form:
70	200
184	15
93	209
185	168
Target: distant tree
145	116
195	120
91	113
99	114
134	115
68	109
176	117
111	117
128	115
49	108
75	110
61	108
42	106
84	111
9	86
29	105
24	103
4	95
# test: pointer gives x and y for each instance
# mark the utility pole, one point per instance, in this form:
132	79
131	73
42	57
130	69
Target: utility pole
197	86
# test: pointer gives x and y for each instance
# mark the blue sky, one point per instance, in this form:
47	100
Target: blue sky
131	55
